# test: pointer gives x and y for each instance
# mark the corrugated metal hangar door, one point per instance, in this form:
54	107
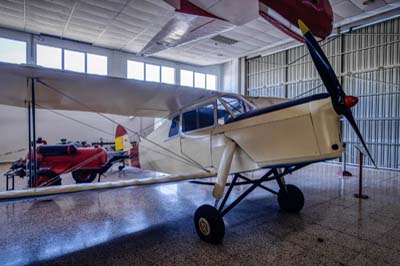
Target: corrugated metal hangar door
367	61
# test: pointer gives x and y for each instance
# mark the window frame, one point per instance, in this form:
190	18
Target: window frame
76	51
145	72
144	69
174	75
86	64
179	129
213	103
17	40
216	82
180	77
205	80
51	46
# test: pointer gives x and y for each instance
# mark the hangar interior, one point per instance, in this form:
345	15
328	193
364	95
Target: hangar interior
137	214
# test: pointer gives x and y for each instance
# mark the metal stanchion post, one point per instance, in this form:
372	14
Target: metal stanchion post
360	195
344	172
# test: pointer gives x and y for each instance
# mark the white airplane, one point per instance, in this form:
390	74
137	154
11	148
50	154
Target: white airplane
206	133
233	134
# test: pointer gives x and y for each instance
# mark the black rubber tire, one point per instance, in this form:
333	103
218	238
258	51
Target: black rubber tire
84	176
291	200
209	224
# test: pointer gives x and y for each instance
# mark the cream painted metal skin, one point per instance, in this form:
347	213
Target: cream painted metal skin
301	133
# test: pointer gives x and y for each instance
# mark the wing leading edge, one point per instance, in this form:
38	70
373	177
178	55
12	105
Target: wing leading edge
65	90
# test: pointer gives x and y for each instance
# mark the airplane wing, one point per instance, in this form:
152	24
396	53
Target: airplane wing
51	190
65	90
198	19
184	29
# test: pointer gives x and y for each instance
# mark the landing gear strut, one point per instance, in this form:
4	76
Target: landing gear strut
209	221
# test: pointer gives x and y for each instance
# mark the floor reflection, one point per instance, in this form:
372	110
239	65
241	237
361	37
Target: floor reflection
135	222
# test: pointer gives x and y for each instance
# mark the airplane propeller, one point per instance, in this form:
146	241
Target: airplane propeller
340	101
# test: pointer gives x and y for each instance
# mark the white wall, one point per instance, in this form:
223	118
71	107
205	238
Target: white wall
232	76
54	125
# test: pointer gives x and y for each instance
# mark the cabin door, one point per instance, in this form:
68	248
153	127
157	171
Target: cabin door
197	125
197	147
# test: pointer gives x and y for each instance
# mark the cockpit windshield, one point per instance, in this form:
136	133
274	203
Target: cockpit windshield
235	107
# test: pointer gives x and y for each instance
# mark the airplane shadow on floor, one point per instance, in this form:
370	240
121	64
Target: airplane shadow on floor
244	220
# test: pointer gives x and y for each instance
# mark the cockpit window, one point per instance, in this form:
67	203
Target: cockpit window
198	118
174	129
222	114
236	106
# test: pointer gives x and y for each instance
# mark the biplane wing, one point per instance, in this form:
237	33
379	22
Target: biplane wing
199	19
65	90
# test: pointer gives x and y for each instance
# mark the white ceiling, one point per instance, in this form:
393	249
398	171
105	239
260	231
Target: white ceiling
129	24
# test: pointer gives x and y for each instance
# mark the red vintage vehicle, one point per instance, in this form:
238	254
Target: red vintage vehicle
84	163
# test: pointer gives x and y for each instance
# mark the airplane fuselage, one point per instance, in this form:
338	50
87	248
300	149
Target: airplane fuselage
284	133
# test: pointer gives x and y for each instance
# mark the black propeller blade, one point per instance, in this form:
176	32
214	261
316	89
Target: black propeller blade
341	103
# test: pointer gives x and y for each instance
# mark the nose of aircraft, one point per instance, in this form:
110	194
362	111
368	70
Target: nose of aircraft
341	102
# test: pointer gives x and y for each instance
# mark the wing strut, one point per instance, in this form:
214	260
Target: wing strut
223	169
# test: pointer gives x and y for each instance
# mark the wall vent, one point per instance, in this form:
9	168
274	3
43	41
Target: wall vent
224	40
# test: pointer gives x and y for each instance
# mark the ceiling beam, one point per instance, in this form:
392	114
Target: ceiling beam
69	18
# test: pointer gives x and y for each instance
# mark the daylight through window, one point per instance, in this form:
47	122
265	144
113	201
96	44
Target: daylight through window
12	51
48	56
186	78
152	73
135	70
97	64
74	61
168	75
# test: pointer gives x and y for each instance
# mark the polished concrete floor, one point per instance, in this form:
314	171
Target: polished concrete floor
113	174
153	225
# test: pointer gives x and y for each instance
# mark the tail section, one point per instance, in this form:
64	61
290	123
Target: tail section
122	143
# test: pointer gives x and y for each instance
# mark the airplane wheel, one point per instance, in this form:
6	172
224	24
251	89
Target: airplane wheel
83	176
291	200
209	224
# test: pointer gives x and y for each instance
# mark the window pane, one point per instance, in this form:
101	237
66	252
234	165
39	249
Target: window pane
211	82
206	115
200	80
168	75
186	78
174	130
237	107
12	51
48	56
135	70
152	73
189	120
198	118
97	64
74	61
222	114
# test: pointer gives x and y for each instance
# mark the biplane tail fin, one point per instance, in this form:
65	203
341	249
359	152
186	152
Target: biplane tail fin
122	142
